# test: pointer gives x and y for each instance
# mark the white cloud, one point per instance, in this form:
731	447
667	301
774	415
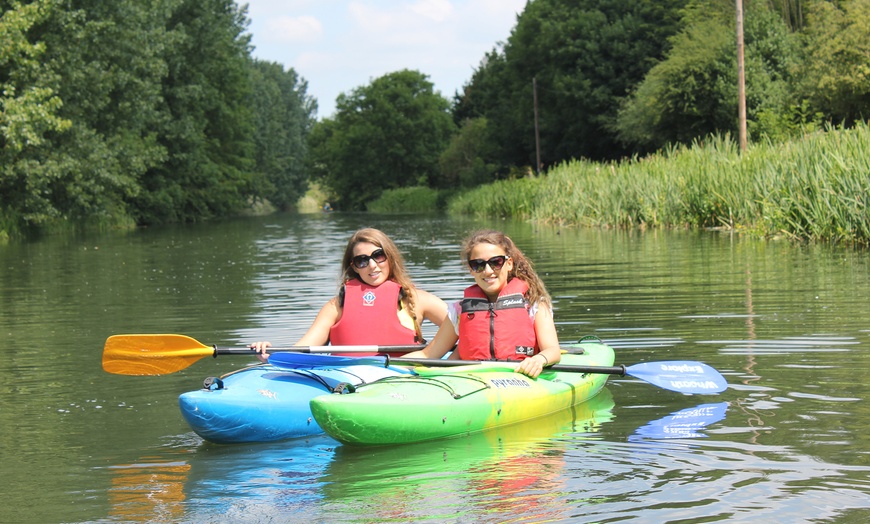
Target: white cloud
293	29
436	10
271	7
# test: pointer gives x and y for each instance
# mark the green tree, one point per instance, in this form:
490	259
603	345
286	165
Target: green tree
836	78
464	162
28	114
28	109
693	92
283	116
207	128
791	11
140	110
482	95
586	55
95	59
108	58
385	135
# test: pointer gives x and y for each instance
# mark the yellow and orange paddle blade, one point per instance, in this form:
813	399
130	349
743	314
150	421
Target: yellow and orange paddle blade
152	354
164	354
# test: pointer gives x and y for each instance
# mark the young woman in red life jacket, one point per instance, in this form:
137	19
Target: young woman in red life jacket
505	315
377	304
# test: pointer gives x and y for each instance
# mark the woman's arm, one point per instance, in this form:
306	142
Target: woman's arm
548	341
443	342
429	307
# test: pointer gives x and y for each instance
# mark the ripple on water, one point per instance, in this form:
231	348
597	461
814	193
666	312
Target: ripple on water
684	479
785	345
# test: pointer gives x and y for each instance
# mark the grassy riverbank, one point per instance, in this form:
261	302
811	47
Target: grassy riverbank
813	188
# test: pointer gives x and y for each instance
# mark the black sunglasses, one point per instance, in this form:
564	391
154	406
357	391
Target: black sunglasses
362	261
478	264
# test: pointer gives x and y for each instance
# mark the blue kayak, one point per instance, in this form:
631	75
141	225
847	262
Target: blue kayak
264	403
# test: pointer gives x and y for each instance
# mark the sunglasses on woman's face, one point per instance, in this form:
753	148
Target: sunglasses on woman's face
362	261
478	264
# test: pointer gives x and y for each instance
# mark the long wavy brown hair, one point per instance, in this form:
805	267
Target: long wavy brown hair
522	269
398	274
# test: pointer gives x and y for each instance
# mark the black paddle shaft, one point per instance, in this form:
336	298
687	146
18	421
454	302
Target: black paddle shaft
437	362
320	349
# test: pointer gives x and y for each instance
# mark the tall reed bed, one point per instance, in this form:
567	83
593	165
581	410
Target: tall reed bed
816	187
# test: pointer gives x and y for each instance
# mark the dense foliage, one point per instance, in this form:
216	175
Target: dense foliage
141	111
585	56
617	78
692	93
836	75
152	111
385	135
283	116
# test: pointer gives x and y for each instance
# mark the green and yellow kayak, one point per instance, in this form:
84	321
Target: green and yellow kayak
450	402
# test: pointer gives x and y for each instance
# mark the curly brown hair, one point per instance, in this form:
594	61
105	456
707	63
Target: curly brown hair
522	269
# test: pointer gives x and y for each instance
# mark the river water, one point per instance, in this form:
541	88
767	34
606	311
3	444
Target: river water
788	325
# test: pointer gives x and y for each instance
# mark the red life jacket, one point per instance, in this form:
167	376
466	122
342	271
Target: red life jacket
370	316
501	330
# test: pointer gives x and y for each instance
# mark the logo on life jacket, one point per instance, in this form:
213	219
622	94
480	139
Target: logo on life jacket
525	350
513	302
369	298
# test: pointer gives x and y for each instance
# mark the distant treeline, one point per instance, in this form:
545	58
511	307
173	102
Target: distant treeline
149	111
604	80
141	112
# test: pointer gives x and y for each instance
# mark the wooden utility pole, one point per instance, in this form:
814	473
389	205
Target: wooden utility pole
537	134
741	79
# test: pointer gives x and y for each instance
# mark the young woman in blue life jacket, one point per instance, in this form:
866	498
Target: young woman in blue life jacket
507	313
376	304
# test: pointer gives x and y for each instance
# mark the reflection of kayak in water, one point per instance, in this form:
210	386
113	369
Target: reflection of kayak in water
140	491
504	454
227	483
512	470
278	475
459	401
194	481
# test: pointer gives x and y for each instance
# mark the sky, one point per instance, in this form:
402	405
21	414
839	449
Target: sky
339	45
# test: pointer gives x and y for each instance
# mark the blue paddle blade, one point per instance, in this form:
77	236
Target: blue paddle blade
683	376
307	360
686	423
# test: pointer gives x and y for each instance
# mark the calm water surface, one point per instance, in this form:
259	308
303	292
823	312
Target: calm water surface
789	326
